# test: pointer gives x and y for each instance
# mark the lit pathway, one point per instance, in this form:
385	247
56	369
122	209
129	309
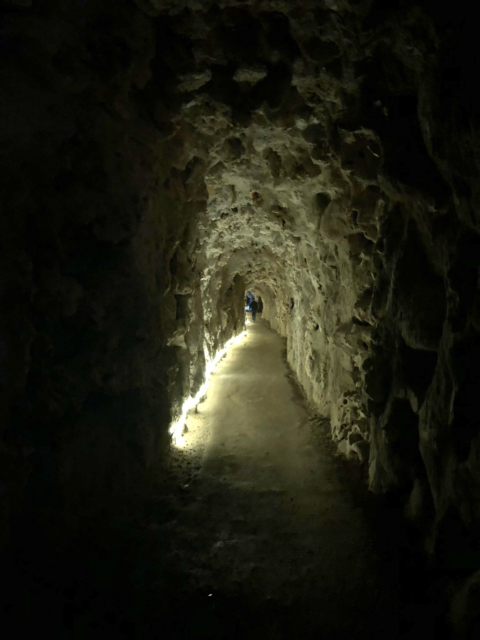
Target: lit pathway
267	521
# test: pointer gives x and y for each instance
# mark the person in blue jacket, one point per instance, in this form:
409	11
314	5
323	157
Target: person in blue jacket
253	309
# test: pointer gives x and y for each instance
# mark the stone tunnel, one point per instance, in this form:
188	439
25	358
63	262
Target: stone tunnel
161	159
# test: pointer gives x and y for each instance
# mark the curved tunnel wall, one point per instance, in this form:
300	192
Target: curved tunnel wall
159	158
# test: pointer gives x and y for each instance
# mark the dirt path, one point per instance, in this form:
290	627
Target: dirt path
268	534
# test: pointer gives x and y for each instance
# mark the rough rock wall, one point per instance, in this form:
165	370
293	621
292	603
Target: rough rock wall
339	150
279	195
159	155
106	311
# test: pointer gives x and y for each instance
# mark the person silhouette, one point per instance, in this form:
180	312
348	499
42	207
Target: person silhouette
253	308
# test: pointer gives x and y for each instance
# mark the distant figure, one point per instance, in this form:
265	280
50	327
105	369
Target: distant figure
253	308
260	305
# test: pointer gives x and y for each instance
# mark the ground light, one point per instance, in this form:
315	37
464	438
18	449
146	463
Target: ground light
176	428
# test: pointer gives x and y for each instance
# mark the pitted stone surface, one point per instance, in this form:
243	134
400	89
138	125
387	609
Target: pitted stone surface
161	156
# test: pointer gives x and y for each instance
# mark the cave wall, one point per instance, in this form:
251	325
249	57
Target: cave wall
339	146
160	157
106	312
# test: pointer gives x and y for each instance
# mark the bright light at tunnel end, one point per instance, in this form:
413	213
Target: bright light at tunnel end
176	429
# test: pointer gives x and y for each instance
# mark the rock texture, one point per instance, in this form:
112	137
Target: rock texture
160	156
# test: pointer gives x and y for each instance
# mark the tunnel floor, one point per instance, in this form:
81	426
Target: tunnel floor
268	519
255	530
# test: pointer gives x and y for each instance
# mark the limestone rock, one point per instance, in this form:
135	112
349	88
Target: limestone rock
252	75
465	607
362	449
164	156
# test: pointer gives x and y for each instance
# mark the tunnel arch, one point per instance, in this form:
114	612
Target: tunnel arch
161	157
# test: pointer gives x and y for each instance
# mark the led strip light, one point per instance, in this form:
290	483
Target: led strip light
176	429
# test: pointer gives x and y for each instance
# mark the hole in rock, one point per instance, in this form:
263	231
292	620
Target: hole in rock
419	368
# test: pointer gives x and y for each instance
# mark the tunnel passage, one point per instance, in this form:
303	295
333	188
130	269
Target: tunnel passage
160	159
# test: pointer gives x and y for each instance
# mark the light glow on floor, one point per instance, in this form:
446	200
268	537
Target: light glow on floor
176	429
